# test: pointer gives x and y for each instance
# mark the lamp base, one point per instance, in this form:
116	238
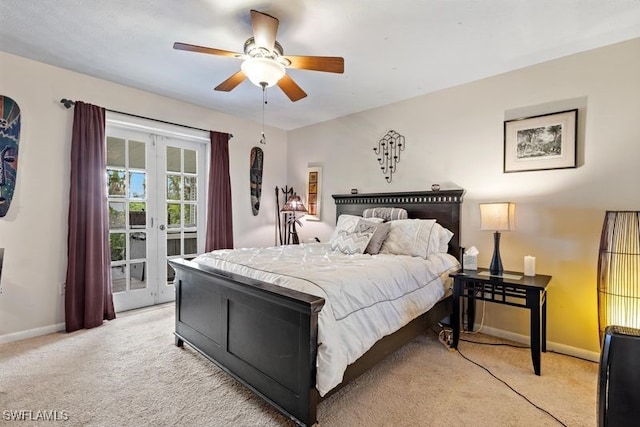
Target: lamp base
495	268
293	233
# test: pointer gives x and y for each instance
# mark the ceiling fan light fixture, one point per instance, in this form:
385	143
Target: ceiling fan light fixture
264	63
263	72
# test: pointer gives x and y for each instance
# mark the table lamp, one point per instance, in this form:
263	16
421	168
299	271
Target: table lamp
293	206
497	217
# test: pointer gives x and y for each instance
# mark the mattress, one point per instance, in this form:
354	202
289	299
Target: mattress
366	296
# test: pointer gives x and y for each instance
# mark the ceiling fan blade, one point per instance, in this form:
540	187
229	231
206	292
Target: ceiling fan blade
330	64
231	82
203	49
291	88
265	28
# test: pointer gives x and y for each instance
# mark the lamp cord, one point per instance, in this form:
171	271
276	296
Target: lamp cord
444	336
513	389
484	304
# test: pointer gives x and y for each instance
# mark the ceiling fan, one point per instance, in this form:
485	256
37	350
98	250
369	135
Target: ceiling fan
264	62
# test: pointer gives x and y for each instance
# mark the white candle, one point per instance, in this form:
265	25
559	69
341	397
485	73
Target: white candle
529	265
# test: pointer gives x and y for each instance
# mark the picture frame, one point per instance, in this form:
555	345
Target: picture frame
314	193
544	142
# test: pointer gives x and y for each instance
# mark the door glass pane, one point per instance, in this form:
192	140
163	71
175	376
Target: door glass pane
171	275
190	188
137	185
136	155
190	242
118	278
138	277
173	244
138	245
190	215
115	152
115	182
137	214
118	246
173	187
173	215
116	215
173	159
190	161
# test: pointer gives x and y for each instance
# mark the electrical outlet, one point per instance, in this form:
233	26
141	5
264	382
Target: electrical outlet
61	288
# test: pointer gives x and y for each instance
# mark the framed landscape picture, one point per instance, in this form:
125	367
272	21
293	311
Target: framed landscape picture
314	186
541	142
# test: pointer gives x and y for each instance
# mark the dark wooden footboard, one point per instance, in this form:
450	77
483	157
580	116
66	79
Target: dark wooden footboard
263	335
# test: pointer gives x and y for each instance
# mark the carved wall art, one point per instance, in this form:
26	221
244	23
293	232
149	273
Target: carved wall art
256	163
9	139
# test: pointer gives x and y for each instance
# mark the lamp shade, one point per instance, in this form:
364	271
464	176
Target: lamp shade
619	271
498	216
263	71
294	204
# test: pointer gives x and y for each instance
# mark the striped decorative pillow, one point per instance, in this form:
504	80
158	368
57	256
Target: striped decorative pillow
351	242
348	223
388	214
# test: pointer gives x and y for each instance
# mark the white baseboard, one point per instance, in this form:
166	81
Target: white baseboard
59	327
551	346
500	333
30	333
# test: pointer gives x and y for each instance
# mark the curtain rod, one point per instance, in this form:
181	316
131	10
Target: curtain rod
69	103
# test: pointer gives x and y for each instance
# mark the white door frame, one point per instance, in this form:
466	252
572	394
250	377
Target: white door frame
159	135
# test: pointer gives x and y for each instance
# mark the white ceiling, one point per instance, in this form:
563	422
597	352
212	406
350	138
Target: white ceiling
393	49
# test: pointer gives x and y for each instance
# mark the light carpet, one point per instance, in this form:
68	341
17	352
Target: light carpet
128	372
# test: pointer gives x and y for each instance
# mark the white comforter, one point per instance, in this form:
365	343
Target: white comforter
366	297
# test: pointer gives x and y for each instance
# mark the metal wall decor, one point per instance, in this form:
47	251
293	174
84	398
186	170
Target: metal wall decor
388	152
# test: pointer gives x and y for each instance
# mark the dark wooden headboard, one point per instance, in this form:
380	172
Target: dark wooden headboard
443	206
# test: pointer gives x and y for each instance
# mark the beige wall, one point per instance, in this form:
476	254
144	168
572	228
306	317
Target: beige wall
34	232
455	137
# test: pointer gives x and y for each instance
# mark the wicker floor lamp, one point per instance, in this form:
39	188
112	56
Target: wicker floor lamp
619	271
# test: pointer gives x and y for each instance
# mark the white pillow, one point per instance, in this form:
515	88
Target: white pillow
348	223
445	237
414	237
350	243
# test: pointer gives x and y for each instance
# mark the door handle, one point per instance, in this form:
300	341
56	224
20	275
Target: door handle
161	227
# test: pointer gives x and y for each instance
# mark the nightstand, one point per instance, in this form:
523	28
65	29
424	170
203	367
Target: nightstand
511	288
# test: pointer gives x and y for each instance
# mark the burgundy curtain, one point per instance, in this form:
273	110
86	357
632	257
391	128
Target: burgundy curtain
219	220
88	296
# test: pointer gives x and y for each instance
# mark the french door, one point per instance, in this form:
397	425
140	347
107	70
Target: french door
155	188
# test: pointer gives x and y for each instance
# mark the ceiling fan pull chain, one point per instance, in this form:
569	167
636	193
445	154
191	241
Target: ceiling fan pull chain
263	140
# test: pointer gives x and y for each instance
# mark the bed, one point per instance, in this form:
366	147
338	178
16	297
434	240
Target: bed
266	336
